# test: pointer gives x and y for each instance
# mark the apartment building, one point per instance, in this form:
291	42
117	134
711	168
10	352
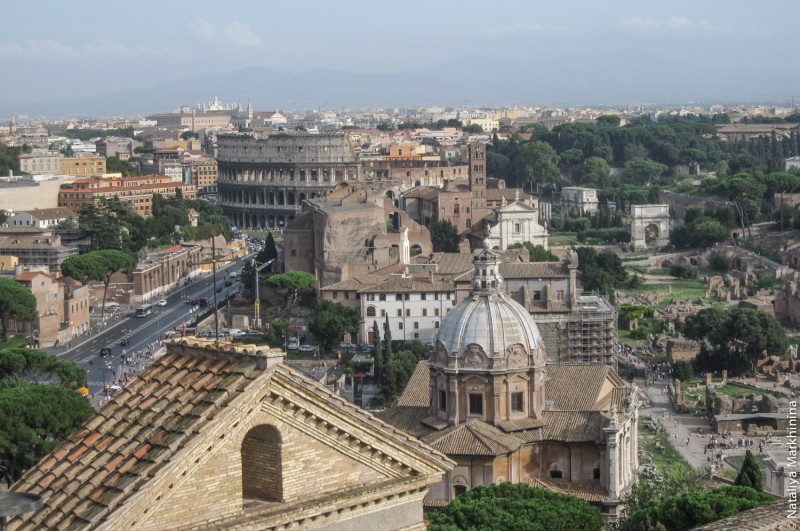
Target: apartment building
414	306
83	164
136	191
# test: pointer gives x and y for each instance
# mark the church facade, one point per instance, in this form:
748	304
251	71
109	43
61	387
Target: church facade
488	399
216	436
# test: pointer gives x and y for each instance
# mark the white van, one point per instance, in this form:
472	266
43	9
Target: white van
292	344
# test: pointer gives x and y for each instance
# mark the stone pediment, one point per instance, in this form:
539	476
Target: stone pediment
515	207
220	438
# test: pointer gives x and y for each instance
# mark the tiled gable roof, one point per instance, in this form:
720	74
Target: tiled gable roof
413	405
589	490
534	270
447	263
769	517
473	438
103	469
51	213
355	283
119	449
577	387
574	426
399	284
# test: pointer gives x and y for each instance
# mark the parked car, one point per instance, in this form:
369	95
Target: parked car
306	348
347	346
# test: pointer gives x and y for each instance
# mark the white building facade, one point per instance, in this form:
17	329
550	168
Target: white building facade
517	222
414	306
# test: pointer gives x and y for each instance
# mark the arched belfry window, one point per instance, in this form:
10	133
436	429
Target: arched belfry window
262	476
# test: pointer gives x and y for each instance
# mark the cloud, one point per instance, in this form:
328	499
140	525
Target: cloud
38	48
50	49
674	22
114	49
235	33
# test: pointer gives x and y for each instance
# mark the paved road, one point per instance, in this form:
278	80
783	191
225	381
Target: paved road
681	427
141	332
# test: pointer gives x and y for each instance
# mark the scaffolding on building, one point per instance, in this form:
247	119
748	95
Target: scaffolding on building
591	331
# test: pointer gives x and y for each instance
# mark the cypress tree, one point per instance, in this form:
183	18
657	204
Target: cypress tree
377	354
387	342
750	474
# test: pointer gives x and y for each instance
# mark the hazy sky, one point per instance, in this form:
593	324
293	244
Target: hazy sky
61	50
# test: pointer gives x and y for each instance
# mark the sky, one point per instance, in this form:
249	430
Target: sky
63	50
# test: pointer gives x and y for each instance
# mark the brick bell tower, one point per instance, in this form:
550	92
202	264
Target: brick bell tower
477	181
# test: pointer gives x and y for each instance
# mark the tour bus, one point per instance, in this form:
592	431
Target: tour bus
144	310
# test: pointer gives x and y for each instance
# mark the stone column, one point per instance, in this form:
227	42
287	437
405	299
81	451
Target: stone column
612	432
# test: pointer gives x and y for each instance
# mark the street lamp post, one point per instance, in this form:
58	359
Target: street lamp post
257	306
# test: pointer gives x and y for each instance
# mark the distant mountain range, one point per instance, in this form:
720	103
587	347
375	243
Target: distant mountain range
625	78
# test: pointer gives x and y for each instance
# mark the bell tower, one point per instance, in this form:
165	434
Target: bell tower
477	181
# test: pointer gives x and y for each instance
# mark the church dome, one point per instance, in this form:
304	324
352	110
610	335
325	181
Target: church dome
488	320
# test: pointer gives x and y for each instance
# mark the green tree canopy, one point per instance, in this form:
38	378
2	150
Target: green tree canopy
601	271
332	321
294	282
34	419
516	506
20	365
691	509
16	302
750	474
444	237
595	170
742	332
537	162
98	266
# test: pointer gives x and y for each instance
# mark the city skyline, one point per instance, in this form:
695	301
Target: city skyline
439	53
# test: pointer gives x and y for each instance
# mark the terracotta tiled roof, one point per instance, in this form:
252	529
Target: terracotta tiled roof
534	270
574	426
355	283
526	423
496	194
398	284
118	449
619	398
589	490
27	276
417	392
413	405
769	517
473	438
166	413
564	381
51	213
447	263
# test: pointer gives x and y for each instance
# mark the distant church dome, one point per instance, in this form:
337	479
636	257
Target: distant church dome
488	320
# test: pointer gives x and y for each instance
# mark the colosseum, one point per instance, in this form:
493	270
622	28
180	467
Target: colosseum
263	181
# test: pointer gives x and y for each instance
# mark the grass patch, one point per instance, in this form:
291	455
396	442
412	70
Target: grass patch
736	461
733	390
667	461
557	239
681	290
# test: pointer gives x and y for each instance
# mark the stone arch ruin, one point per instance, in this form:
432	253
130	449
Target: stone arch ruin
649	226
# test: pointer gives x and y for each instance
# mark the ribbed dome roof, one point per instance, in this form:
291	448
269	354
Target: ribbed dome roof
488	317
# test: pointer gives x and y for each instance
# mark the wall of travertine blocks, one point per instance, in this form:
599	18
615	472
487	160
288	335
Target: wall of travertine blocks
308	466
